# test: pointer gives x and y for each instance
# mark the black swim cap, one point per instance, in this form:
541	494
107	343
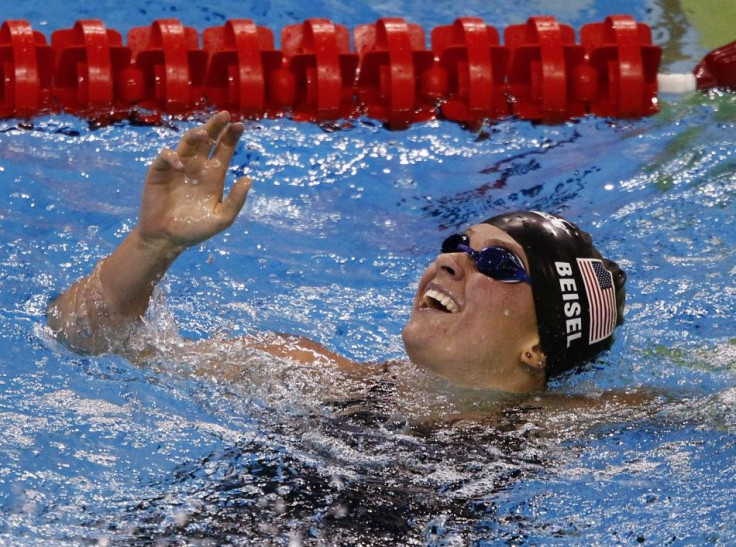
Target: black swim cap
578	295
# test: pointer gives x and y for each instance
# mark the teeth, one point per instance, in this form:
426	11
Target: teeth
446	302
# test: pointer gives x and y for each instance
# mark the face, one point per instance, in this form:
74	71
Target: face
471	329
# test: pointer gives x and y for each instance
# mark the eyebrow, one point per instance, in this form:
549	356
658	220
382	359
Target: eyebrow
495	242
492	242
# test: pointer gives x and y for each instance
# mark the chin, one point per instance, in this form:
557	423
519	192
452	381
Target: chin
419	345
416	344
407	336
420	330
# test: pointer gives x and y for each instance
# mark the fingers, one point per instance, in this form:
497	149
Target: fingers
228	134
216	124
163	166
226	144
198	143
192	156
199	140
195	142
235	200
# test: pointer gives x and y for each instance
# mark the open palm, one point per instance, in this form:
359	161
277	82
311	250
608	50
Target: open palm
183	195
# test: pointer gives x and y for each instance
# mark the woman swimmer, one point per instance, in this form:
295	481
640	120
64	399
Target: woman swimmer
510	302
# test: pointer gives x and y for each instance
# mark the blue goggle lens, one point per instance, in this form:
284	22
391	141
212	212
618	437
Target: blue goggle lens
495	262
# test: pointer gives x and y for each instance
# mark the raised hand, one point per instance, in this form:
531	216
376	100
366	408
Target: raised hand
182	201
182	205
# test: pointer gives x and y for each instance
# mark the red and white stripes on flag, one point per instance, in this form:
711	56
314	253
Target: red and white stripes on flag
601	298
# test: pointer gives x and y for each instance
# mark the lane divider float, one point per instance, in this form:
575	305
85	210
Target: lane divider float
539	73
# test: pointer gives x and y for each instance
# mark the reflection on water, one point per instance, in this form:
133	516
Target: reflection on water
500	192
674	33
229	447
391	454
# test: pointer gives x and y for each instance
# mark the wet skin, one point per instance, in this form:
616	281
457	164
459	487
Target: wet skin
472	330
483	336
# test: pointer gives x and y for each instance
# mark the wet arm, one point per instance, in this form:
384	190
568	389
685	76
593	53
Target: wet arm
98	313
182	205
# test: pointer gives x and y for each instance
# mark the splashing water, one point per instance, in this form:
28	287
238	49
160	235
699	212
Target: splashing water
211	441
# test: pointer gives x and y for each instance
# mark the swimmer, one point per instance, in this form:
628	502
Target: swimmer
507	304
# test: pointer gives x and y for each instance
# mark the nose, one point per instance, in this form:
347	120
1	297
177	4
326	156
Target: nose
452	264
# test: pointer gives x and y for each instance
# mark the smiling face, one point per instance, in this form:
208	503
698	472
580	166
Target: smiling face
472	330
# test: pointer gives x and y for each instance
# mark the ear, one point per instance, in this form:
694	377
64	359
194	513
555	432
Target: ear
533	357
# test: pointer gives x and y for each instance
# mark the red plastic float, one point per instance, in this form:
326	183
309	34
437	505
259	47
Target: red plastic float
474	64
393	60
718	68
540	73
89	62
168	56
543	58
621	53
26	67
319	57
242	59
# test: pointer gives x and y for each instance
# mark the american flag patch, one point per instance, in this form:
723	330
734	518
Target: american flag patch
601	298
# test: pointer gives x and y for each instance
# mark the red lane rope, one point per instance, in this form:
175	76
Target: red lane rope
539	72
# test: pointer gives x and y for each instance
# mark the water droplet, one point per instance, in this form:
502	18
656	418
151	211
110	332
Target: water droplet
181	518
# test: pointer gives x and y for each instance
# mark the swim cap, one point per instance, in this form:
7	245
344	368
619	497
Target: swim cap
578	295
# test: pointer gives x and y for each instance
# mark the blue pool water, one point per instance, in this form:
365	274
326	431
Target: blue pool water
638	448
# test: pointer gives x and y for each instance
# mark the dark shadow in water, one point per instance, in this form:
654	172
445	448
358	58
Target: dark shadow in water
670	32
471	206
376	489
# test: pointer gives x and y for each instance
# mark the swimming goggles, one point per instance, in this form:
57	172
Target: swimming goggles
495	262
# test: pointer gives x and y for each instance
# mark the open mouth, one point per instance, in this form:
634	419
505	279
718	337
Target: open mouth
441	302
